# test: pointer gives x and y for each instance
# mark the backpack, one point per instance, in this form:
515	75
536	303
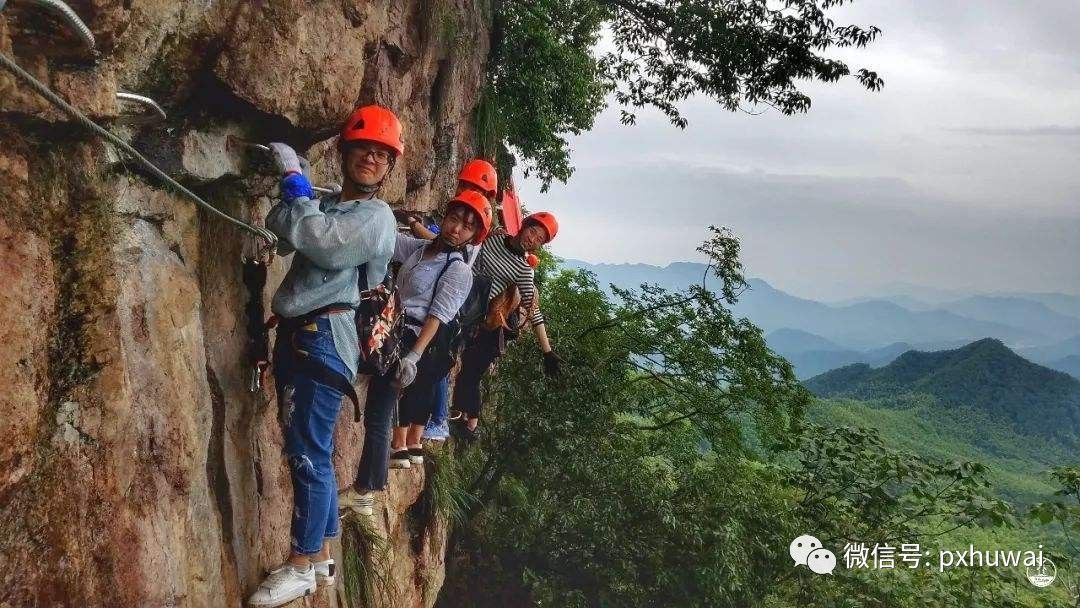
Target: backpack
378	325
475	309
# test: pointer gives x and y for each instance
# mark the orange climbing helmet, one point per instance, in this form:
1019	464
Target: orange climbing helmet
480	173
477	202
546	220
532	260
373	123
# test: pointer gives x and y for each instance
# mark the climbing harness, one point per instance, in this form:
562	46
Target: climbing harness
302	361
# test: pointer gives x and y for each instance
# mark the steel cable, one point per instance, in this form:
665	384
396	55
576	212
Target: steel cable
82	119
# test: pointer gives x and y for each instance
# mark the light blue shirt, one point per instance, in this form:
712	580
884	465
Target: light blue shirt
416	282
331	239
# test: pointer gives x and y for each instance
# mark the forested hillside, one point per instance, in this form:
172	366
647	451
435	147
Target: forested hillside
984	375
688	473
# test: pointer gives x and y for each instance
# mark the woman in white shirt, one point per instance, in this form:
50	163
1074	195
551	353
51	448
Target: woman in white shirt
434	280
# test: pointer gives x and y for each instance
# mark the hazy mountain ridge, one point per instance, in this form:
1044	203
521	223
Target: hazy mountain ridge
1018	312
939	318
984	375
811	354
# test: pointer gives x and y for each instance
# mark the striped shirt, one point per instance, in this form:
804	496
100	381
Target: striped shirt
504	267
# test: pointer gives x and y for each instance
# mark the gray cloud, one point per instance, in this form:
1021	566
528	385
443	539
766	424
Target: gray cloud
1046	131
962	172
820	236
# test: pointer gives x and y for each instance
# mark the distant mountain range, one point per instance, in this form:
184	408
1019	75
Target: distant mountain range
811	354
815	336
1013	311
984	375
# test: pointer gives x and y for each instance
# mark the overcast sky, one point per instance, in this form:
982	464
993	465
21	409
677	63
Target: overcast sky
964	172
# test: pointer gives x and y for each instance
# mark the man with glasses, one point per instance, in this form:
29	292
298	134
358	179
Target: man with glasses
317	353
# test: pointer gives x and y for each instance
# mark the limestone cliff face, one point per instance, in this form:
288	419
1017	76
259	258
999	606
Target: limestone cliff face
136	468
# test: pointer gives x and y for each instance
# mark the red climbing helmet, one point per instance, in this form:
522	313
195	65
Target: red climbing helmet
475	202
481	174
373	123
546	220
532	260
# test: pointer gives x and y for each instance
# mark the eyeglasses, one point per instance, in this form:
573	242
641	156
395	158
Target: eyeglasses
380	157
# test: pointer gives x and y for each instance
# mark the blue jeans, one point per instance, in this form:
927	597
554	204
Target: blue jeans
310	411
442	401
380	408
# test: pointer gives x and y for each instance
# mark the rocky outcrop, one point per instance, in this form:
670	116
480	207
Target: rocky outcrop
136	468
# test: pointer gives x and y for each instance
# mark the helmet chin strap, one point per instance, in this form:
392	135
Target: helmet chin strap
373	188
449	245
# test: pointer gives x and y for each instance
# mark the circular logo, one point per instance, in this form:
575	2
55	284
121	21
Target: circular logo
1044	575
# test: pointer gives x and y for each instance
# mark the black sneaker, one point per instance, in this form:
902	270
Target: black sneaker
399	459
416	456
461	432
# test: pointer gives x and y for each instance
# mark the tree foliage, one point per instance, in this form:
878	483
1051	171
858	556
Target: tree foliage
553	63
672	465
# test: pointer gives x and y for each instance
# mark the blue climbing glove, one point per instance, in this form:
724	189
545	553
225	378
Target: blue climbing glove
295	185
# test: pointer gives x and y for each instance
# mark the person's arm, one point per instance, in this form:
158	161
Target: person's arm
414	224
540	331
419	229
427	333
405	246
406	371
334	242
552	362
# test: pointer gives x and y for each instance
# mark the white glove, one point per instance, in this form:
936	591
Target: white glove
406	371
286	159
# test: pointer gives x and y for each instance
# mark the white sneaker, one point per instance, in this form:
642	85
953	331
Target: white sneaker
324	572
400	459
283	586
361	504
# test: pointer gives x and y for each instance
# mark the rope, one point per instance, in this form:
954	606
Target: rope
82	119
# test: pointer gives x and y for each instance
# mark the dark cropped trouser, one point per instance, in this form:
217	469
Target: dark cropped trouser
477	357
379	409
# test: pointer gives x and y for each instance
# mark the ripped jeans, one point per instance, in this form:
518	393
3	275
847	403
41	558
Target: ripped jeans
309	413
